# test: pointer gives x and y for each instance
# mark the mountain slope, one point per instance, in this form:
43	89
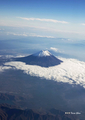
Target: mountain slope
42	58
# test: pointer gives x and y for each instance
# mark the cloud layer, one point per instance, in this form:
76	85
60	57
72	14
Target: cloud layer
70	71
46	20
54	49
27	34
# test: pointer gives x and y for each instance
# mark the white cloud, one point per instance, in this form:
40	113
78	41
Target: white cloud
26	34
70	71
2	68
46	20
83	24
45	29
8	56
16	34
21	56
42	36
54	49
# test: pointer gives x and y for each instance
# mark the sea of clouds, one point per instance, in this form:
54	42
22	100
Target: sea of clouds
70	71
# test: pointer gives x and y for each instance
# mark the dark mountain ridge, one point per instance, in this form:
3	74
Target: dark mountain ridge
10	113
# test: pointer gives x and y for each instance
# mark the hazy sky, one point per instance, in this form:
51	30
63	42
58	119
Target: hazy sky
57	25
42	18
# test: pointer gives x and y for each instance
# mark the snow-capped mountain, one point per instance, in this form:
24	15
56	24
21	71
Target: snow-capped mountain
42	53
43	58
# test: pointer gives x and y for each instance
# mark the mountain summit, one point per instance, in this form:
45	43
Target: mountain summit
42	53
43	58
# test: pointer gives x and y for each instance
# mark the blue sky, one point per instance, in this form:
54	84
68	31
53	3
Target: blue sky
45	18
